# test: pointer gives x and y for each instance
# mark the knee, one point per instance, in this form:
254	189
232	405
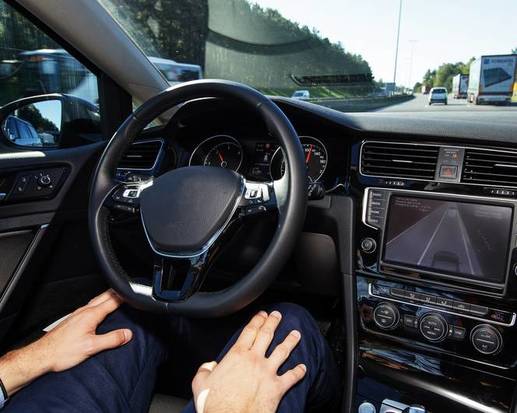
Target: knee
295	317
142	327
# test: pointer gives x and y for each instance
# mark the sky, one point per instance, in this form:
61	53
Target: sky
432	32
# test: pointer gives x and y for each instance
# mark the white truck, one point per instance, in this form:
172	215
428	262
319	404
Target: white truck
460	84
491	79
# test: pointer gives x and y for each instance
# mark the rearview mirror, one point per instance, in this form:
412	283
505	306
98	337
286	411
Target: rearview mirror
35	123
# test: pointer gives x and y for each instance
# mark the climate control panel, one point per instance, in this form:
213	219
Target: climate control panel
433	319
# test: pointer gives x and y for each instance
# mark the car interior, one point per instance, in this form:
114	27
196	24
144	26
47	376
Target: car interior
207	198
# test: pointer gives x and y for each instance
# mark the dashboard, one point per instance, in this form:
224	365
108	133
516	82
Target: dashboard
433	230
233	138
264	160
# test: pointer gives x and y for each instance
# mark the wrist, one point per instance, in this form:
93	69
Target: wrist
20	367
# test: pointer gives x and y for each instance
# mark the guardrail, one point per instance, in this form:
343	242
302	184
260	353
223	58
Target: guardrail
361	103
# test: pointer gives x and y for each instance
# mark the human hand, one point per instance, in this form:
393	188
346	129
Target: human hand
246	381
74	339
71	342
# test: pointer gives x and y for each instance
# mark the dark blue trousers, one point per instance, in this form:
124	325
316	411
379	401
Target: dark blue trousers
122	380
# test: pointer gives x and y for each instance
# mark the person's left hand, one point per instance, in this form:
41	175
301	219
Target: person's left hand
246	380
71	342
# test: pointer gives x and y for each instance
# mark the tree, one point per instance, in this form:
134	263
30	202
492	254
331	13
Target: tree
514	50
429	78
444	74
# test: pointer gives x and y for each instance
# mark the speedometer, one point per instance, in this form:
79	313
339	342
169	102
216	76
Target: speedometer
226	155
316	159
220	150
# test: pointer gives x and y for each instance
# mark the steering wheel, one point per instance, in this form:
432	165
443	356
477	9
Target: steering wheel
186	213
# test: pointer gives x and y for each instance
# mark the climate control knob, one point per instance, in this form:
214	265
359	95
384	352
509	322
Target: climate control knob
433	327
386	316
486	339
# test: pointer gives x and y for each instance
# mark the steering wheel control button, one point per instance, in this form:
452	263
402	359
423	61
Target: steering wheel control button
368	245
486	339
256	194
130	193
386	316
433	327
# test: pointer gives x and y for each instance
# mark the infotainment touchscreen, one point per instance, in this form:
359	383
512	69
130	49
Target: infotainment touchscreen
448	237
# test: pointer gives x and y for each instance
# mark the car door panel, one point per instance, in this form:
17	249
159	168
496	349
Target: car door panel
46	265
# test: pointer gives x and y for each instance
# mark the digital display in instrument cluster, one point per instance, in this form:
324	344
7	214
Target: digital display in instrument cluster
260	167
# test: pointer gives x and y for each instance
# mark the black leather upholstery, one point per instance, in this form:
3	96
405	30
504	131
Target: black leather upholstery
186	207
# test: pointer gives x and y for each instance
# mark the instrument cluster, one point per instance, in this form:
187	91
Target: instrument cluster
260	160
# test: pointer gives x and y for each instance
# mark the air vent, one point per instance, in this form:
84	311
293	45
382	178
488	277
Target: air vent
399	160
141	155
485	167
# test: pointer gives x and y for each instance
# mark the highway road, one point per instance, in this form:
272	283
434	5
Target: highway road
440	240
419	104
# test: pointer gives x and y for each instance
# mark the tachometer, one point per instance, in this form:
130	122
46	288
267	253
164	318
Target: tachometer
220	150
316	159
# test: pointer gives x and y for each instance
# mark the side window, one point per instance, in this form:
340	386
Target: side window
47	97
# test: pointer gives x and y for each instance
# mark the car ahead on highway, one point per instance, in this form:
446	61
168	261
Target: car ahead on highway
301	95
438	95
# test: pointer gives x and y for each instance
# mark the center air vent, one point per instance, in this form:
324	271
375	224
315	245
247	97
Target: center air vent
486	167
399	160
141	155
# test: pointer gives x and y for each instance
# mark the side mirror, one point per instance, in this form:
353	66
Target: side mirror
42	121
34	124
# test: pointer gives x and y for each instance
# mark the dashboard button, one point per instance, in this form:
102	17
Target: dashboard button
458	333
414	296
458	305
368	245
478	309
433	327
428	299
380	290
500	316
398	292
410	321
486	339
386	316
444	302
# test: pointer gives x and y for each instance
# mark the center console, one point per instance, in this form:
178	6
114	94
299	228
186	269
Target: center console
436	276
448	247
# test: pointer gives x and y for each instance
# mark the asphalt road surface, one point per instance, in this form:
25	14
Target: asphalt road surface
449	247
420	103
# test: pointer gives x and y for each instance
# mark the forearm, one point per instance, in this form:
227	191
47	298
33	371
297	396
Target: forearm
20	367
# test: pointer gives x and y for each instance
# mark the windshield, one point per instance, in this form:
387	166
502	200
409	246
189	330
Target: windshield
347	55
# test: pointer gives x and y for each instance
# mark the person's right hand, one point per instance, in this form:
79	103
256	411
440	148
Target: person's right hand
246	381
75	339
71	342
